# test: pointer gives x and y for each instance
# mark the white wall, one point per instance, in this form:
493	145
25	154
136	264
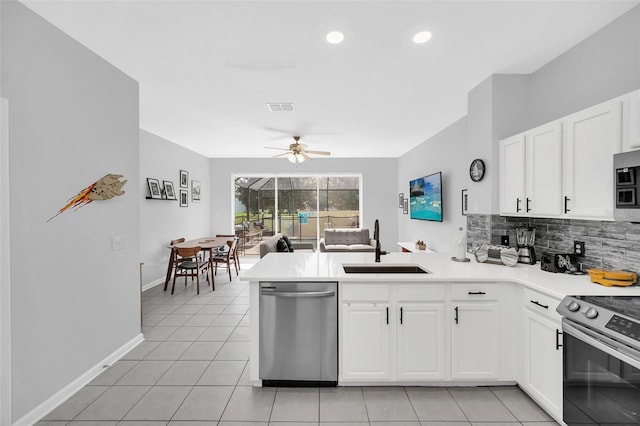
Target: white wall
161	220
379	192
73	118
446	153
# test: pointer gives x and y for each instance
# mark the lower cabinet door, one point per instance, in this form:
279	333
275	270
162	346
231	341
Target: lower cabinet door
475	341
543	361
365	341
421	348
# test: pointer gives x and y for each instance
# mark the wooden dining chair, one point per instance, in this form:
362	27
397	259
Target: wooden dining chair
227	258
236	255
188	263
172	260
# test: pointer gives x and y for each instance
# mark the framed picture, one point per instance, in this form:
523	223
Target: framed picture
195	190
405	206
154	188
401	200
169	191
184	179
184	198
465	202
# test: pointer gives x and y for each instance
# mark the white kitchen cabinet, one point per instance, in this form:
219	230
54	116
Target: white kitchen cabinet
512	176
543	195
590	139
564	168
365	341
475	332
531	172
393	332
542	361
421	341
631	121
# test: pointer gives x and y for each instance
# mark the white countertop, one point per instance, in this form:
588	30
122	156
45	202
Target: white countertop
328	266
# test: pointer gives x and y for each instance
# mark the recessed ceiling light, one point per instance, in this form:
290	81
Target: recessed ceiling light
422	37
335	37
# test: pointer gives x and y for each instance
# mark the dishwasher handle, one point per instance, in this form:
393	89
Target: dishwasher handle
295	294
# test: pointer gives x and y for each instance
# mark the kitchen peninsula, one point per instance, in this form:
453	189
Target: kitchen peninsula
460	324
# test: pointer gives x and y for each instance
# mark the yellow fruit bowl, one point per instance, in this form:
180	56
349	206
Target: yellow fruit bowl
610	278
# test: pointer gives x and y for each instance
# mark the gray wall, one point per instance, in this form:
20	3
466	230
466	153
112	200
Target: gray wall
446	153
73	118
379	192
498	108
601	67
162	220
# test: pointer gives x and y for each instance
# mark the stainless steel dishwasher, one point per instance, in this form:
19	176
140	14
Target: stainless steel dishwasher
299	333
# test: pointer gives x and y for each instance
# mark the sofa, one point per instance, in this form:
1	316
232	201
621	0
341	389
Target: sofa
270	245
347	240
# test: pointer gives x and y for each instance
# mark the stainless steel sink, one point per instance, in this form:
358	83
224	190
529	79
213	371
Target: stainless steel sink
382	268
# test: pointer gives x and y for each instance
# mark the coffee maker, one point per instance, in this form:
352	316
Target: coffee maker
525	238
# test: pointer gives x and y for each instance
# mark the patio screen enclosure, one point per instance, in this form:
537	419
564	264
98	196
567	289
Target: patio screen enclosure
301	207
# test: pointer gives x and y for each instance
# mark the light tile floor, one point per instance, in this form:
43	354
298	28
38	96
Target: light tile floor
192	369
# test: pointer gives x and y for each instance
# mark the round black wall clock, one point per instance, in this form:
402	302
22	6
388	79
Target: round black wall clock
476	170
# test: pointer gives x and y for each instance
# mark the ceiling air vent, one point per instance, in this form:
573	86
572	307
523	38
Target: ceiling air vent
281	107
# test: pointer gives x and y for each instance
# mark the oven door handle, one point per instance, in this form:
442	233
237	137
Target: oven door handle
603	343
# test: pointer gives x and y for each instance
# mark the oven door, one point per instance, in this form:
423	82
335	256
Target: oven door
601	383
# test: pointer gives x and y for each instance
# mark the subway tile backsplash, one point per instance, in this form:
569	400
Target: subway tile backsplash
611	245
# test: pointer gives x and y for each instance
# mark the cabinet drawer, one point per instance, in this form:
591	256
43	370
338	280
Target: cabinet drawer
541	303
368	292
415	292
480	291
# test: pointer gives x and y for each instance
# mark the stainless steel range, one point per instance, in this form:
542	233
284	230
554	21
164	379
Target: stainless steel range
601	379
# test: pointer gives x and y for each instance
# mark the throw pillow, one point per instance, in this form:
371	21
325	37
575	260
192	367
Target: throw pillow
289	243
281	246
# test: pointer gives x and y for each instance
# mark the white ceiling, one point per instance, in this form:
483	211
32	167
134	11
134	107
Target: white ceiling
207	69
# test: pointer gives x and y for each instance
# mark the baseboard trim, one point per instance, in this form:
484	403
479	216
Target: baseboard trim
65	393
152	284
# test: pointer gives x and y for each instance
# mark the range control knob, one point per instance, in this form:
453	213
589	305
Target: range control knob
591	313
573	306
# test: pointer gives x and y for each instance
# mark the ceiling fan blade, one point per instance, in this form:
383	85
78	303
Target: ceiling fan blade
310	151
305	156
273	147
281	155
276	130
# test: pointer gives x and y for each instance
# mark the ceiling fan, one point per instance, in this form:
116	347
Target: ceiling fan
297	152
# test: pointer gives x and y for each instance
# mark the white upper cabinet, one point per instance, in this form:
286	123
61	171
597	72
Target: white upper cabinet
565	168
544	170
512	176
591	137
631	121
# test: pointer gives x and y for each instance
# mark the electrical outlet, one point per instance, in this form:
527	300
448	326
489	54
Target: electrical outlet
504	240
578	248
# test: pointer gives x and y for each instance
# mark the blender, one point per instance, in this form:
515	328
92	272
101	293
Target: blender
525	238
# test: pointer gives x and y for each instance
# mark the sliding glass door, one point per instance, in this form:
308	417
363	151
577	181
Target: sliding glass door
301	207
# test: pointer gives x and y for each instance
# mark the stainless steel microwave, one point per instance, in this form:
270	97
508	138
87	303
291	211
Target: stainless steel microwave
626	168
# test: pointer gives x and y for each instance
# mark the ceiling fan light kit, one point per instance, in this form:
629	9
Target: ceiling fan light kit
296	158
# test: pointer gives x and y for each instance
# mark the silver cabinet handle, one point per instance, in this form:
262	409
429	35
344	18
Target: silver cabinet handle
299	293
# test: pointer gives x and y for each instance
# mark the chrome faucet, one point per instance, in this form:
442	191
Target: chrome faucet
376	236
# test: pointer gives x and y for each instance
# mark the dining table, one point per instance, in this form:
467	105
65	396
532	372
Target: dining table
206	244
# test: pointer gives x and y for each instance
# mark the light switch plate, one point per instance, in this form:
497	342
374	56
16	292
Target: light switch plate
118	242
